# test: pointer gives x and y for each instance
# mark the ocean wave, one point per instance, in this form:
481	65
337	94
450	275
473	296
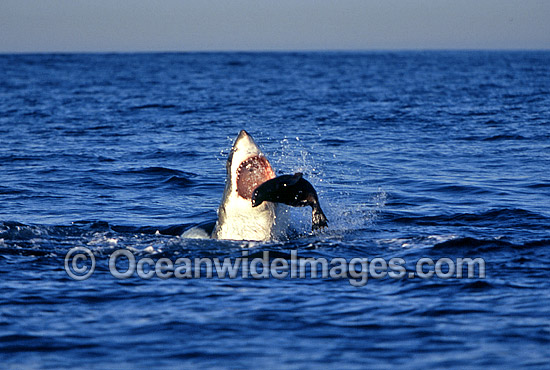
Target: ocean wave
159	171
505	137
152	176
153	106
16	231
484	245
500	216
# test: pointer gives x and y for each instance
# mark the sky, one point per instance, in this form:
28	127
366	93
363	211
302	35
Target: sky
263	25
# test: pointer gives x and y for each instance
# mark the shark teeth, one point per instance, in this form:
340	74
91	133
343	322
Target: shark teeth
251	173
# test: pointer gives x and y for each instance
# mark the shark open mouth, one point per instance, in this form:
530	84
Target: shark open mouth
251	173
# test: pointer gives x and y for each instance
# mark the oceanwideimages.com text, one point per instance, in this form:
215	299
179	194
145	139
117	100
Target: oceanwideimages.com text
80	264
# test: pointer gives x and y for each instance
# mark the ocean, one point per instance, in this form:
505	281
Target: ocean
426	156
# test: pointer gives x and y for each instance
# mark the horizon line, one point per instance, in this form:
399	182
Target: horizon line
274	51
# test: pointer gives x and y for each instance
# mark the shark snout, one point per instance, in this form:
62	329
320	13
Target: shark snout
244	140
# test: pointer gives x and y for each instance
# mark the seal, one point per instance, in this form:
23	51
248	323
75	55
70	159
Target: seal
294	191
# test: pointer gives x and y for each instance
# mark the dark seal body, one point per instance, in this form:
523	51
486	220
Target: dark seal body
292	190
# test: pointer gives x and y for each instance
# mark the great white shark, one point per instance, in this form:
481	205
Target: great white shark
247	167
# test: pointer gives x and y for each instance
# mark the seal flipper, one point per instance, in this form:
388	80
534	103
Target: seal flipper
318	218
292	190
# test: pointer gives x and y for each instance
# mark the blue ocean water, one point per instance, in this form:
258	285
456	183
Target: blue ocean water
413	154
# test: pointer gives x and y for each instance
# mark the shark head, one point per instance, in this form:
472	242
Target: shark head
247	168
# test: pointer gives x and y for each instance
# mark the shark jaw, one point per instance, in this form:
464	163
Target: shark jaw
251	173
247	168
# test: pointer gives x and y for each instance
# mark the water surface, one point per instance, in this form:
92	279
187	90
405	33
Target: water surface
413	154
